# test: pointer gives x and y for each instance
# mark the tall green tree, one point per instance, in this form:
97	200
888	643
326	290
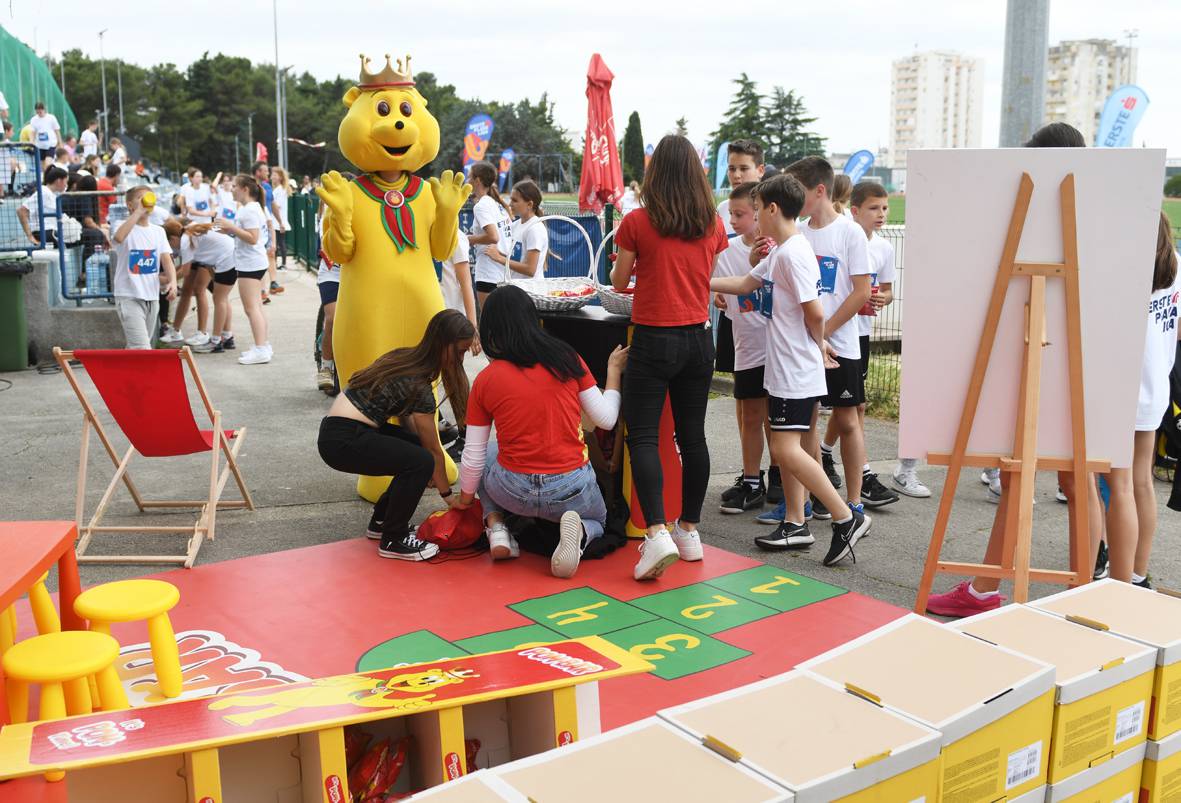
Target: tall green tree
682	125
745	118
633	149
787	125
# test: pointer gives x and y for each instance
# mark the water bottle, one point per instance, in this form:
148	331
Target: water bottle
97	270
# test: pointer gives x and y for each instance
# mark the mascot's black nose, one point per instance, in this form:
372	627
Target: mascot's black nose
399	125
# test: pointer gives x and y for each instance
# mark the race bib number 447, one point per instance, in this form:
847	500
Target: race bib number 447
828	273
143	262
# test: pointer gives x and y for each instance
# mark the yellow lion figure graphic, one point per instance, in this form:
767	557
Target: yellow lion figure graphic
361	690
385	226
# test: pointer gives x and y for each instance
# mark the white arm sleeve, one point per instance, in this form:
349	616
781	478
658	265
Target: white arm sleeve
601	407
475	450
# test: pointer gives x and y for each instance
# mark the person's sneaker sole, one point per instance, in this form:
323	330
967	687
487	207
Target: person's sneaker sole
875	503
426	553
773	544
373	535
905	491
822	514
501	552
658	568
564	562
754	504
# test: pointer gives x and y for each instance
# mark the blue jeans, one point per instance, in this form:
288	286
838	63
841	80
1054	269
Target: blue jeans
543	496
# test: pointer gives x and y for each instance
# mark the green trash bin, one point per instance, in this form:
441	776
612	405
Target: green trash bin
14	331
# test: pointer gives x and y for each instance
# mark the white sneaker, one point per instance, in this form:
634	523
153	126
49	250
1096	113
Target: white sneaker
501	543
269	349
172	337
197	339
564	561
688	543
254	356
994	492
907	482
324	380
657	553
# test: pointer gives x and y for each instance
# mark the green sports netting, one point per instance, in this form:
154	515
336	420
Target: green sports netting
24	80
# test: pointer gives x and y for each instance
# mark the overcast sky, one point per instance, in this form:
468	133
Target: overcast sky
669	58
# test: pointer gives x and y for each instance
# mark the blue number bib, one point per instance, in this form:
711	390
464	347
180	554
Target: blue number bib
142	263
828	273
767	299
750	303
202	206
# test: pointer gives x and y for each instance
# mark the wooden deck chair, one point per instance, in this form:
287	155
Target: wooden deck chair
146	393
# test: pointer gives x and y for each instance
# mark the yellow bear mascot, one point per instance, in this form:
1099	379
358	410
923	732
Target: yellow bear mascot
385	226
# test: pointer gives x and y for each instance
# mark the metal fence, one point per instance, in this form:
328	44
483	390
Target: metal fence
84	224
303	240
884	382
20	181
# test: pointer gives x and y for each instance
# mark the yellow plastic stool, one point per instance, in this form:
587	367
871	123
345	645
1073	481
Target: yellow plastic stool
131	601
61	663
44	614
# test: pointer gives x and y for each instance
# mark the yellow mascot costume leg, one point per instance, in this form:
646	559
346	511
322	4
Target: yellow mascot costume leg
385	226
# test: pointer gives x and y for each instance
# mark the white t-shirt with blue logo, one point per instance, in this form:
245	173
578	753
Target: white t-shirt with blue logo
1160	352
746	313
795	366
881	271
45	131
841	252
137	263
198	199
487	212
529	236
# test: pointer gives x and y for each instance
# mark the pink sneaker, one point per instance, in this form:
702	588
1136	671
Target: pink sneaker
960	602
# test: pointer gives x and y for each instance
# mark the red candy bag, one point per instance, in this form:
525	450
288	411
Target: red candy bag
473	747
367	768
387	773
355	742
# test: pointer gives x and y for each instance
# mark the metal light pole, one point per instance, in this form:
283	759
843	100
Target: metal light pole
278	87
237	156
250	134
286	143
119	75
103	62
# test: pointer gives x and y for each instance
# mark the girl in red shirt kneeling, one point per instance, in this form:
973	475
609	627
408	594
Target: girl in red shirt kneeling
535	390
671	245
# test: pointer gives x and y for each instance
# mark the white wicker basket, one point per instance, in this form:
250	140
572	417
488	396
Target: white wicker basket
539	290
613	301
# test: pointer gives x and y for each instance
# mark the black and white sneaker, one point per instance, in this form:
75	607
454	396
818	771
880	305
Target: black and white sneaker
874	494
774	486
845	536
819	511
373	531
1102	564
742	496
786	536
407	547
1142	583
830	469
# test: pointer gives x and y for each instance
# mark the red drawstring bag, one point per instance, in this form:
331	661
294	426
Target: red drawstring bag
453	529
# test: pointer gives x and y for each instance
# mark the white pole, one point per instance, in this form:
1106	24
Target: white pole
278	88
103	63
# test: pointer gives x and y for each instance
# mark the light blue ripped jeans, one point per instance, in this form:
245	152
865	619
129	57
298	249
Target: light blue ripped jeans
543	496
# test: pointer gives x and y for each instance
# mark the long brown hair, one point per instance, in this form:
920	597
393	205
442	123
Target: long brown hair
676	191
1165	271
436	355
529	190
488	176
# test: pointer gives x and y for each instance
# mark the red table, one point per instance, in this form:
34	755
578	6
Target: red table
27	550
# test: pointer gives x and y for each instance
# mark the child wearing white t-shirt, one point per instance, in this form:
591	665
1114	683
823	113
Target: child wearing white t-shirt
328	283
797	358
842	254
749	332
141	249
490	226
250	261
198	198
1131	513
455	282
529	237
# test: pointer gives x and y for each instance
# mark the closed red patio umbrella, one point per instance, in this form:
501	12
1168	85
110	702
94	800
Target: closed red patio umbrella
602	176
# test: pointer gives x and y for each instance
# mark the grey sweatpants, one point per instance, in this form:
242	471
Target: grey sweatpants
139	318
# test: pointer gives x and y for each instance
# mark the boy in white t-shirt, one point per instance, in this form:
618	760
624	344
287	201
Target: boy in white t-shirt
842	254
46	131
749	328
54	185
796	361
328	283
141	249
869	206
88	141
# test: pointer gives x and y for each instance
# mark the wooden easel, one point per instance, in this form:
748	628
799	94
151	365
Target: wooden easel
1024	461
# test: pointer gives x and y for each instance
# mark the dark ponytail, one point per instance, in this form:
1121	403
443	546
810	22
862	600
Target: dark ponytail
510	330
529	190
488	176
251	186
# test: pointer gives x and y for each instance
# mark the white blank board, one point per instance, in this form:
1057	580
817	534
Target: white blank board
958	205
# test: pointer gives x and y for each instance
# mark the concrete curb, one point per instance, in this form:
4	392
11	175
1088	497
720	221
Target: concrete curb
722	384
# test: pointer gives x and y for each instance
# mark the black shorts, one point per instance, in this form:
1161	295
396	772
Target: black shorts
748	383
846	388
791	414
724	351
257	275
199	265
485	287
226	277
864	361
328	292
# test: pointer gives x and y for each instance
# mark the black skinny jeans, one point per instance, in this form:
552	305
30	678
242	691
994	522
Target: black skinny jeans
355	448
678	361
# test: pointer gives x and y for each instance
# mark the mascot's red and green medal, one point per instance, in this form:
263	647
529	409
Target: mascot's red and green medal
396	214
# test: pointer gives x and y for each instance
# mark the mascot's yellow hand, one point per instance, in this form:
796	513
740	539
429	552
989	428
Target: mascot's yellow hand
334	191
450	192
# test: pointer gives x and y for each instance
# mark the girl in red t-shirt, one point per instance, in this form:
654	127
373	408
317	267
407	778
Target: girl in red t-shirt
535	389
670	245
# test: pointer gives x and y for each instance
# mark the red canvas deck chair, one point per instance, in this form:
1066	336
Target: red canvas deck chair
146	393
